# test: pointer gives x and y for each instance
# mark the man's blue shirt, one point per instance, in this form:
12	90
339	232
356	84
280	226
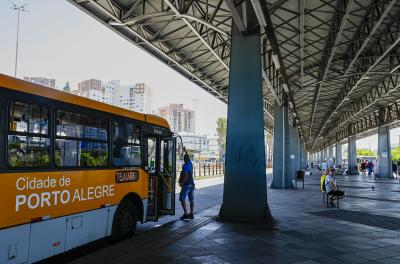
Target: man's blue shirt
187	167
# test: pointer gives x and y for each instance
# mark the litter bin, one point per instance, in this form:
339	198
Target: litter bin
300	176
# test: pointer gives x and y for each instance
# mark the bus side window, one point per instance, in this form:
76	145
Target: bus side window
81	140
28	139
126	146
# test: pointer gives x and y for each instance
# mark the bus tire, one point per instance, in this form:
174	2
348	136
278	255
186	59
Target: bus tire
124	222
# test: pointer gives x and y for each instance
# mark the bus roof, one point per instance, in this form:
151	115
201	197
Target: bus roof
35	89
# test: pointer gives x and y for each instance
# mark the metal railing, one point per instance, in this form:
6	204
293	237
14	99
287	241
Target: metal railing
202	169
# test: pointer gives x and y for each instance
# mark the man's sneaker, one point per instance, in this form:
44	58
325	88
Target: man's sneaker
191	216
185	216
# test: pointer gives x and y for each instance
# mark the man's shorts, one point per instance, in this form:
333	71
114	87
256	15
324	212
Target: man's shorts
187	191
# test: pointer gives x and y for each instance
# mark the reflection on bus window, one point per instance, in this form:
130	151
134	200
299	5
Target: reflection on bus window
81	126
151	155
126	144
28	118
75	153
28	141
81	140
25	151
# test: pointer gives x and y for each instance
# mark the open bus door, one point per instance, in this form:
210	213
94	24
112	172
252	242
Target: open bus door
167	175
161	166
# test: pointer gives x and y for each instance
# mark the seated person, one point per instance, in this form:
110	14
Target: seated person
331	187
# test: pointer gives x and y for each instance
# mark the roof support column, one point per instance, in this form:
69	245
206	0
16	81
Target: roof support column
352	154
245	185
282	165
384	162
294	142
338	156
303	156
330	155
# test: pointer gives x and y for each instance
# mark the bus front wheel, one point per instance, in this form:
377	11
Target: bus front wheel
124	222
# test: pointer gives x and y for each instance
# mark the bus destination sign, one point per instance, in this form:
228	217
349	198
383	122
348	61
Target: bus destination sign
126	176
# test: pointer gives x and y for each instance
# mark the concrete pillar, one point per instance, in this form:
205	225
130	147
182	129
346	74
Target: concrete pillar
330	154
384	162
245	187
281	168
338	156
303	156
294	150
352	150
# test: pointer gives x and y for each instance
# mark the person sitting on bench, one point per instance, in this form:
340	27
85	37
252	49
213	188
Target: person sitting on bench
332	189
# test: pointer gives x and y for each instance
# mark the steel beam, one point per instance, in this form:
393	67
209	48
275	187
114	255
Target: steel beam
331	55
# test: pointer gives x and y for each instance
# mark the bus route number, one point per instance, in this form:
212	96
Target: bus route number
126	176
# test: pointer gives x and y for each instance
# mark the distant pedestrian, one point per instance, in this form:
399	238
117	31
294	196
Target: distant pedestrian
186	182
362	167
324	166
394	168
370	167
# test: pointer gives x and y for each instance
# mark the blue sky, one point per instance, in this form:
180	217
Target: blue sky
58	40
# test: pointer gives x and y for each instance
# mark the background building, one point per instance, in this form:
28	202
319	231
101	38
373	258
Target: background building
213	148
136	97
179	118
91	89
203	147
107	93
42	81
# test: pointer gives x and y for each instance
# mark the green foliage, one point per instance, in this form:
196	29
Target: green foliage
396	153
32	158
366	152
93	158
221	131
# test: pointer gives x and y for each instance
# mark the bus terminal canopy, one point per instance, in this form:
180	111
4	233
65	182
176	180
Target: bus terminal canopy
334	62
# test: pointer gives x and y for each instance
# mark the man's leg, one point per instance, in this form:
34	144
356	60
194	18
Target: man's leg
191	199
184	207
182	198
191	207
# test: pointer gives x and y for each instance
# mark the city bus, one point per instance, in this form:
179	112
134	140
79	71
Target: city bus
74	170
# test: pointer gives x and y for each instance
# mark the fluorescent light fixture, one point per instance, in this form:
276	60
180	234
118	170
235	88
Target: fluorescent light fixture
285	87
259	12
395	69
115	23
365	77
275	58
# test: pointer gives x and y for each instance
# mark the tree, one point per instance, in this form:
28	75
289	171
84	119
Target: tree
221	131
366	152
67	89
396	153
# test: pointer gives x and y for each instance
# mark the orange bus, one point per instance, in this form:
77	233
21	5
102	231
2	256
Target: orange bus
73	170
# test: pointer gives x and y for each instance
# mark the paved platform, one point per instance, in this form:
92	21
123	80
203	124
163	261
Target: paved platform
366	229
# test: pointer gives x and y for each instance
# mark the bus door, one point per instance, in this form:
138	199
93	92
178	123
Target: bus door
167	175
161	166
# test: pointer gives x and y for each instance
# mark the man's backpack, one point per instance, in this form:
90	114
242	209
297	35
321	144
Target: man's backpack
322	183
